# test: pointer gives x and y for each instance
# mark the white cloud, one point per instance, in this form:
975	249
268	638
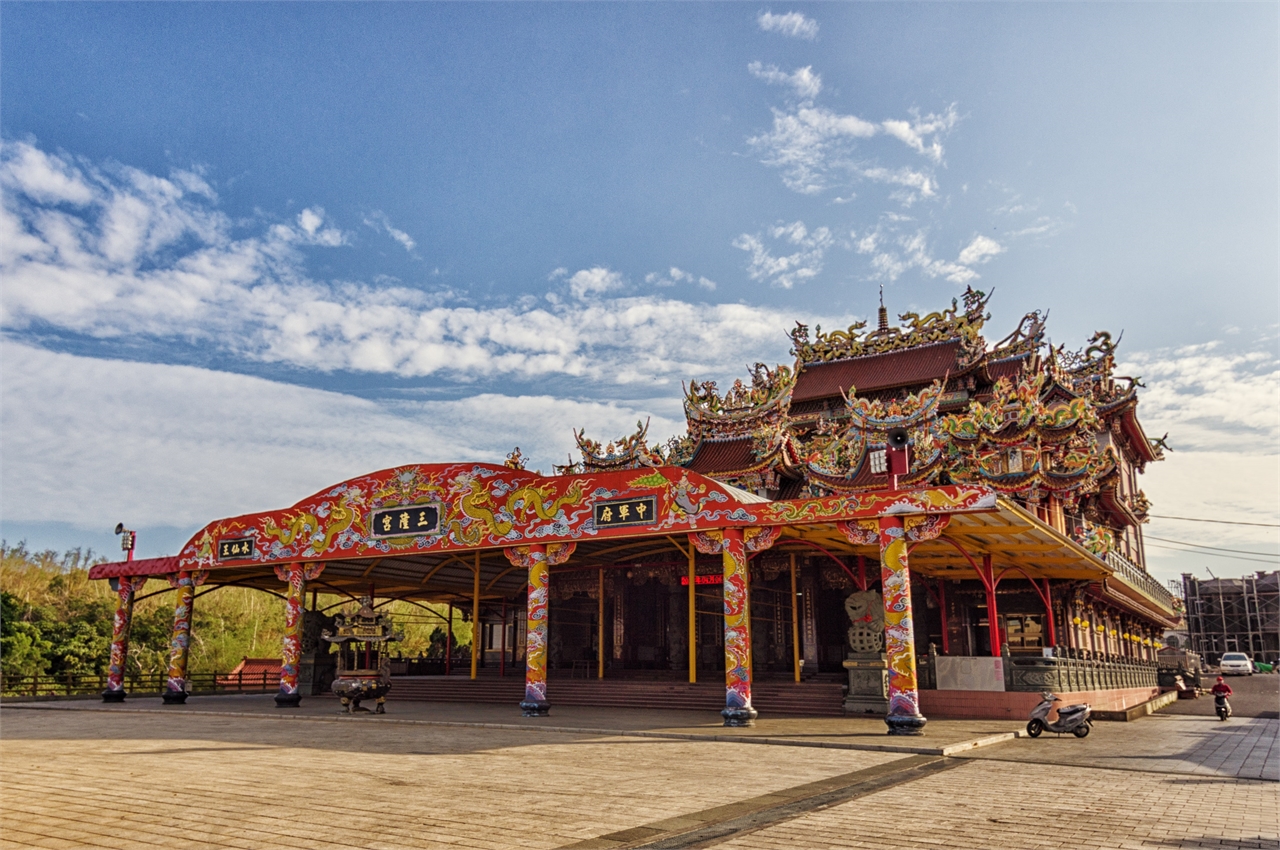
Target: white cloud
815	147
912	252
793	24
379	221
166	445
312	221
45	178
906	177
675	275
980	250
806	83
808	143
1221	411
787	270
1210	401
150	260
914	133
595	281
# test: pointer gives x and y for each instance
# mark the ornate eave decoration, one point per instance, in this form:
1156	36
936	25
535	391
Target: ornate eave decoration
837	456
1027	338
943	326
631	452
743	409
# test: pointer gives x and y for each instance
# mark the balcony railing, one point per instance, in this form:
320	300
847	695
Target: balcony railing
1137	578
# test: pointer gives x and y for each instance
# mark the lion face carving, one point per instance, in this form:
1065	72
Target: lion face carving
866	614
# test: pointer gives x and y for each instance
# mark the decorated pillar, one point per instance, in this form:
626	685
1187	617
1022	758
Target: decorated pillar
125	587
904	716
737	632
537	558
175	691
296	577
733	545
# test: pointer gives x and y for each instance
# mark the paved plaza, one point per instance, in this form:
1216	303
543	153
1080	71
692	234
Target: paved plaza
234	772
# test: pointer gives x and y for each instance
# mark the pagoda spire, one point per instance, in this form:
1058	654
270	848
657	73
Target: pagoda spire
884	314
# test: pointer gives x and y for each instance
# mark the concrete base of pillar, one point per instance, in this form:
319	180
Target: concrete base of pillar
174	697
535	709
905	724
745	716
868	684
113	696
284	700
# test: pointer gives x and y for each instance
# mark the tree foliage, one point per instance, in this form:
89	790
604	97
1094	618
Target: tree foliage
54	621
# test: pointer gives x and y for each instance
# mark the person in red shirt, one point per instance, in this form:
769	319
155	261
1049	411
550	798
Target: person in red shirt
1221	689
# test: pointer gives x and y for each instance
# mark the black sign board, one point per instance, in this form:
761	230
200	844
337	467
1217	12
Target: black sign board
626	512
405	521
240	549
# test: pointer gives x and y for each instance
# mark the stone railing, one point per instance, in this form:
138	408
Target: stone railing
1068	670
1134	576
1062	673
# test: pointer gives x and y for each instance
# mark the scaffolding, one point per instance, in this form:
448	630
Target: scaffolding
1234	615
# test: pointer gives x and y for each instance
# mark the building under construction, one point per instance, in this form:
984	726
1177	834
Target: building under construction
1234	615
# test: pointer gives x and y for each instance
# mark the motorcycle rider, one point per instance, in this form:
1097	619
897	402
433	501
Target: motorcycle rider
1220	693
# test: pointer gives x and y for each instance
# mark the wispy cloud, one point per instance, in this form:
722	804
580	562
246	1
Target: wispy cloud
120	254
816	148
806	83
921	133
378	221
787	270
1211	400
793	24
675	275
892	254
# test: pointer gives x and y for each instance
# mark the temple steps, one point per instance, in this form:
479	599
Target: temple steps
808	698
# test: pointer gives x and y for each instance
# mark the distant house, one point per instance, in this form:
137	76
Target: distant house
253	671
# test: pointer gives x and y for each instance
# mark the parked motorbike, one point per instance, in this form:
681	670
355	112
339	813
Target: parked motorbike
1071	718
1222	706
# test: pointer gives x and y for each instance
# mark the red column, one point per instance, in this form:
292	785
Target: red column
942	607
989	581
1048	608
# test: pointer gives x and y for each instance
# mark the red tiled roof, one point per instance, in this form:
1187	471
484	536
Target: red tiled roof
257	666
139	567
723	456
1011	368
876	372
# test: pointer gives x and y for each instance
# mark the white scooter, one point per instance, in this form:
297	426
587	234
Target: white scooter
1071	718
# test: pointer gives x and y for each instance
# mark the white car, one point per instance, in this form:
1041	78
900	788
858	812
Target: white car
1235	663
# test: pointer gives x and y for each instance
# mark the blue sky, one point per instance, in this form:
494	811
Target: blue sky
253	249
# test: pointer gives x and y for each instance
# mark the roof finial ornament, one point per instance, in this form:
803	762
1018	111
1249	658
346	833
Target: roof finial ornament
884	314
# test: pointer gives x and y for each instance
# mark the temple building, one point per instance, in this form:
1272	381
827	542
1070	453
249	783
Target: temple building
906	521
